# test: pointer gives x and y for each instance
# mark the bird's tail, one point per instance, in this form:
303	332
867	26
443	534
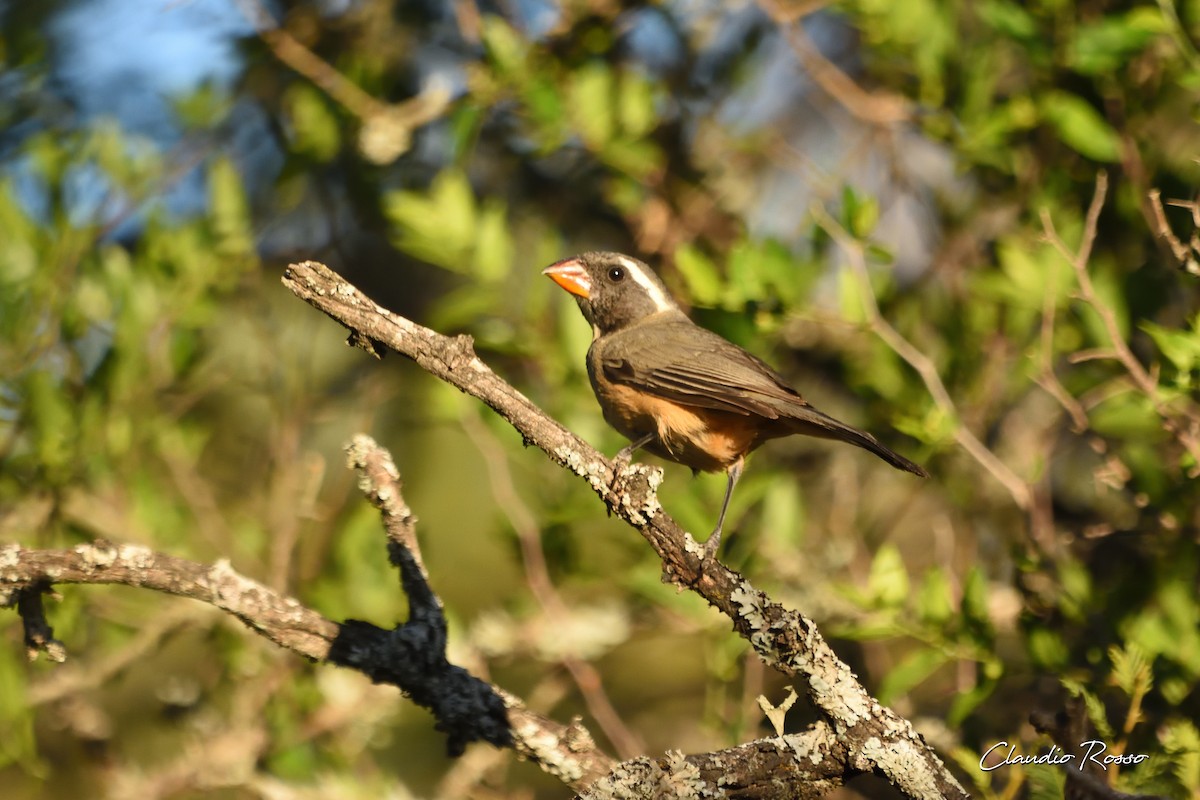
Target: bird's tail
809	421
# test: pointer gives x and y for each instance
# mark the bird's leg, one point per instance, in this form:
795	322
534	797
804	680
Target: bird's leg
625	454
714	540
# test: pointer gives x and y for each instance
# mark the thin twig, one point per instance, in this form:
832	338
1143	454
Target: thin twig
1145	380
1018	488
1048	379
875	108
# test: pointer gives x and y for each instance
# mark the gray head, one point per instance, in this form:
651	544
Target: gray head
614	291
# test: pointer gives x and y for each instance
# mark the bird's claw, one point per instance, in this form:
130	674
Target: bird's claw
712	546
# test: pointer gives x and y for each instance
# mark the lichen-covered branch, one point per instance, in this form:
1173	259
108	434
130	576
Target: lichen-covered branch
806	765
875	738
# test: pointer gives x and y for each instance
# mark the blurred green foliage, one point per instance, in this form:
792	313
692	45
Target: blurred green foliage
157	386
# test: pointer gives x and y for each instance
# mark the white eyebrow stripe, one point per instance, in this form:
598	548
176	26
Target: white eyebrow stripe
657	296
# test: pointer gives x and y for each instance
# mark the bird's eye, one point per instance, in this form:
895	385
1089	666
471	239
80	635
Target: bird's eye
616	274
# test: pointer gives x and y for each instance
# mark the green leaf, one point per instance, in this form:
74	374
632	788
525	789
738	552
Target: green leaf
935	428
1127	416
701	275
785	276
1106	45
1181	741
783	517
590	94
912	670
935	600
635	104
544	103
745	284
53	422
1080	126
887	583
865	218
966	702
850	297
202	108
1181	348
860	213
974	599
315	131
1076	582
1047	649
1046	782
438	226
1008	19
504	47
18	745
637	158
1096	712
229	210
1130	669
494	250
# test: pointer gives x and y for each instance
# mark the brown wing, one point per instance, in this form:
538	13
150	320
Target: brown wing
681	361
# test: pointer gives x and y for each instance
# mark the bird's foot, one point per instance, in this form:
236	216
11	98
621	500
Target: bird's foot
712	545
623	457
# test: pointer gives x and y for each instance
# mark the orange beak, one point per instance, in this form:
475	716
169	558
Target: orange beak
570	275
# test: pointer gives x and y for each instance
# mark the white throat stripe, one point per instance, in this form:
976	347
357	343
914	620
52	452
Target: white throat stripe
657	295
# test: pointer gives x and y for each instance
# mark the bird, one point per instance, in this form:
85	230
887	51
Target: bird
681	391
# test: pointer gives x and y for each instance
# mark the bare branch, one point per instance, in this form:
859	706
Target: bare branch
1186	253
874	108
386	127
1186	430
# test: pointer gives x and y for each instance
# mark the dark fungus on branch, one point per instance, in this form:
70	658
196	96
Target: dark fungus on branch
412	656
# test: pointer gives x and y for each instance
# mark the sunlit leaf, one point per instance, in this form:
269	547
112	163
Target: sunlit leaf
1181	348
230	209
935	599
494	251
887	582
590	96
1105	44
912	670
703	280
1080	126
635	104
315	131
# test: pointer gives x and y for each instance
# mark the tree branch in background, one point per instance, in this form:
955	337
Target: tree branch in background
1018	488
1186	253
1183	423
874	108
387	128
875	738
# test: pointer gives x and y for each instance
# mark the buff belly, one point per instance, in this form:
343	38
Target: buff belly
701	438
